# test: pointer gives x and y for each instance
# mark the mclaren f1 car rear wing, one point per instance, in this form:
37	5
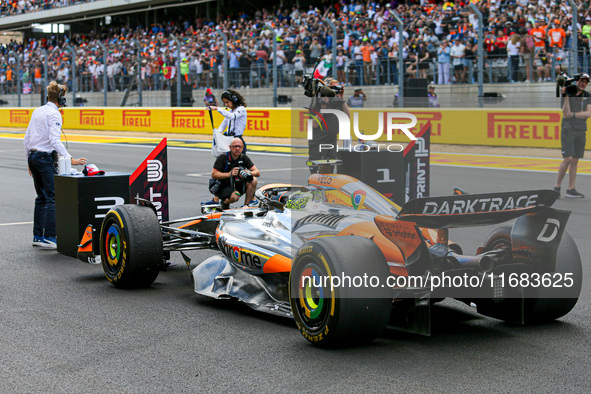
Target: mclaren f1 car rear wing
475	209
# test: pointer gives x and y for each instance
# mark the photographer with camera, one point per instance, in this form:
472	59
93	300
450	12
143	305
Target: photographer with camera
326	94
576	109
236	174
358	99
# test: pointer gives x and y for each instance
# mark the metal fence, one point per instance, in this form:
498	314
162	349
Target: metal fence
166	64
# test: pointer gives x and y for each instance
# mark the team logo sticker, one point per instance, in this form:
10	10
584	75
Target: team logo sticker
357	199
236	253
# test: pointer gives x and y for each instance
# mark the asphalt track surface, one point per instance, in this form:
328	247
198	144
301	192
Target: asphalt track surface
64	328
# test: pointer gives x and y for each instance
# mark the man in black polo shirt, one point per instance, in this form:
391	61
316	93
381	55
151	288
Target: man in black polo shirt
576	110
237	174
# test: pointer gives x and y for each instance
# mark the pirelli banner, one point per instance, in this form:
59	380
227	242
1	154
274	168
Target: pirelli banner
498	127
262	122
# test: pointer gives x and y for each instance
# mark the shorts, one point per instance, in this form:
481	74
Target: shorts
226	189
458	67
573	143
299	73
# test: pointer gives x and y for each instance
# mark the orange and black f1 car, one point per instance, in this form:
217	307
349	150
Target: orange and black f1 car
286	256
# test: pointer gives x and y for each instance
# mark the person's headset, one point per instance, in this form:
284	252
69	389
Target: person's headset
230	96
61	99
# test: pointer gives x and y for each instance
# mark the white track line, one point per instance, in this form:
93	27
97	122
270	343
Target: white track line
15	224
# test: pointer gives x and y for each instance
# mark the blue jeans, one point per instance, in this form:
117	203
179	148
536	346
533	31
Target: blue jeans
359	69
43	169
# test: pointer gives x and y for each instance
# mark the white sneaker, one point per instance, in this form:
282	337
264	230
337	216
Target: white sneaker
50	243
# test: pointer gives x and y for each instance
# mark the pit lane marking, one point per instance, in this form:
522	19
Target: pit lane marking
259	148
465	160
507	163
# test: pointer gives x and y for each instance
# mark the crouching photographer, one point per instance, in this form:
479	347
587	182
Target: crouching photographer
576	109
236	174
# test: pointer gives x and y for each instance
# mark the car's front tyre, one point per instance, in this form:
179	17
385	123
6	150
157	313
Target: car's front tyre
131	246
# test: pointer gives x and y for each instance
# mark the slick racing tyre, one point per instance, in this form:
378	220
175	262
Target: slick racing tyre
544	303
131	246
351	312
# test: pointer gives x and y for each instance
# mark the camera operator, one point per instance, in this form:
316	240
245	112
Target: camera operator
576	109
328	97
237	175
339	100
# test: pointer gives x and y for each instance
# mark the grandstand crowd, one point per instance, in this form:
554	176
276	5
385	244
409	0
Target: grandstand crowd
523	40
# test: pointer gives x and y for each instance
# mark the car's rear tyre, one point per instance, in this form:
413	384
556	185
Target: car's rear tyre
131	246
544	303
344	314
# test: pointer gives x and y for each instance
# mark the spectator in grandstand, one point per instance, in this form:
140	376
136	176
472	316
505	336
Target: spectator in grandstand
423	59
234	66
194	72
411	64
393	60
366	51
556	37
261	57
543	64
526	50
490	44
184	70
281	60
245	66
358	58
469	57
2	81
299	62
443	63
513	49
586	30
539	35
457	56
501	42
214	67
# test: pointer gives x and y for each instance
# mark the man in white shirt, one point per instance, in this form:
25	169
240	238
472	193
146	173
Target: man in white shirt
42	145
457	59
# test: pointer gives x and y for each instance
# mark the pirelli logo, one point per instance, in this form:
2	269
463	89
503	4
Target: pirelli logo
188	119
258	120
523	126
137	118
92	117
19	116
